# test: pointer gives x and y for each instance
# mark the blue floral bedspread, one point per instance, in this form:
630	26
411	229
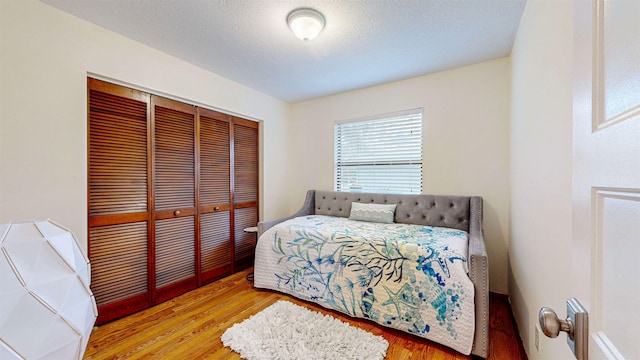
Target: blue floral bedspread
408	277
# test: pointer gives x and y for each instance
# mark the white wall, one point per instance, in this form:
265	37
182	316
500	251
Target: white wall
465	149
45	57
541	167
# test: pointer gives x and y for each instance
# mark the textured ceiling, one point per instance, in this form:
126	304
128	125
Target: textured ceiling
364	43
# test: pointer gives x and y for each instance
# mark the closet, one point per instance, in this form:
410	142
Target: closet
172	187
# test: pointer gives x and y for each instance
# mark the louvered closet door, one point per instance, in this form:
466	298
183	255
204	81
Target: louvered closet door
245	195
216	246
175	201
119	218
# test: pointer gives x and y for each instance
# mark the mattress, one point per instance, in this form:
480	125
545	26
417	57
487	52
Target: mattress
411	278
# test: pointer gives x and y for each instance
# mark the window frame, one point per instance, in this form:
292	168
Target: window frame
354	141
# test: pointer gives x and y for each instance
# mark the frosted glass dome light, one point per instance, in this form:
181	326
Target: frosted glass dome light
306	24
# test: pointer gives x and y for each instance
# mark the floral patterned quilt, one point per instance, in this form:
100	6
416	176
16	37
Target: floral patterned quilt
408	277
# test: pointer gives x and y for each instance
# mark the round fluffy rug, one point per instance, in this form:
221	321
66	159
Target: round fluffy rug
288	331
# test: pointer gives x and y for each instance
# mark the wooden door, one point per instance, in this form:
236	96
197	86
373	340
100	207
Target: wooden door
216	238
171	189
245	190
606	244
119	218
174	202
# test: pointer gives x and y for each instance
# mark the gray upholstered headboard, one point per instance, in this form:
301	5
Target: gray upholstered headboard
432	210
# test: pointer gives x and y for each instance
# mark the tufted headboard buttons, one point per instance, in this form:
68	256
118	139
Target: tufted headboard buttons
432	210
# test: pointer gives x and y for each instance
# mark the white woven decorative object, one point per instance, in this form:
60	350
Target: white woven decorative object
47	310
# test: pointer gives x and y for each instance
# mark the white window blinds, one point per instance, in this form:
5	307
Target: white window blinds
380	155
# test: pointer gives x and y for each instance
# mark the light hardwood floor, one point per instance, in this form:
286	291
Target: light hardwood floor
190	326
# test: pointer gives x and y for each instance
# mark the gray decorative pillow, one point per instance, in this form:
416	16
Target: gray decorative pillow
382	213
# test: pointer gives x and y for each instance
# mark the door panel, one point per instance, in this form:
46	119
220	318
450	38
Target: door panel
216	238
244	241
174	155
118	155
215	245
607	174
245	190
175	250
118	256
245	161
617	271
215	158
175	238
618	50
118	178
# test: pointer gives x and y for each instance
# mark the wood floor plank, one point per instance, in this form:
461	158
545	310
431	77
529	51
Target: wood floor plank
190	326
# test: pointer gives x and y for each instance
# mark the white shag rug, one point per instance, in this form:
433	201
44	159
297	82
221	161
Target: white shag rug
288	331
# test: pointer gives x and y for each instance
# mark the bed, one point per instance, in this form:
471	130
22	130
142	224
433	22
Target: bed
416	263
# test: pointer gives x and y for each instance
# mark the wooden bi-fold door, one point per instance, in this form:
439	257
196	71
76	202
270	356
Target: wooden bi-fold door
216	237
172	186
120	220
174	201
245	190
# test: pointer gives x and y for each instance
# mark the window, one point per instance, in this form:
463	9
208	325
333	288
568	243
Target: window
380	155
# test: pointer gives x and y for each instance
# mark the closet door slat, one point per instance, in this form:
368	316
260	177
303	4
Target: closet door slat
245	136
117	154
174	159
175	250
215	243
215	159
118	256
244	242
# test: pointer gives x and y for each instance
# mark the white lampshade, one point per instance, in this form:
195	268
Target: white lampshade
47	310
306	24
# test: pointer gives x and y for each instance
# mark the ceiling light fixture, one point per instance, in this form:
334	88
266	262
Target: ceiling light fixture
306	24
